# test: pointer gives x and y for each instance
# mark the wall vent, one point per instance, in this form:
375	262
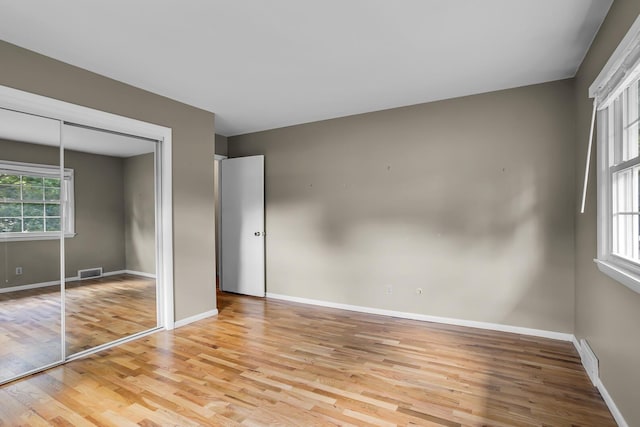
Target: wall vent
90	273
589	361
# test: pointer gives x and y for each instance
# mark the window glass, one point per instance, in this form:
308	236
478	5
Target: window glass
624	144
30	203
629	142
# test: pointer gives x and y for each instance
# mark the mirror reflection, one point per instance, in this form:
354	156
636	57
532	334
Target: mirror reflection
30	225
110	290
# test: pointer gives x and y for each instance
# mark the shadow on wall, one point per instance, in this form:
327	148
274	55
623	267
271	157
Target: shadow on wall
477	211
475	256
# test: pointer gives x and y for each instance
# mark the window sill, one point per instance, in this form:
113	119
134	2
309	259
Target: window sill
620	274
34	236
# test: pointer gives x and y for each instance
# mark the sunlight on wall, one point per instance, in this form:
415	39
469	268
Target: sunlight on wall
471	273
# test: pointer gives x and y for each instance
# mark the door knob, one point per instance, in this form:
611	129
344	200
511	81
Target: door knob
258	233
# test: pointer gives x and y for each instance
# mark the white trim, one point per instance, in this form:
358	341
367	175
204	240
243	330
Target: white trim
31	372
576	344
66	200
219	157
627	278
608	400
36	169
26	237
111	344
63	263
195	318
112	273
617	268
616	72
30	286
72	279
131	272
561	336
164	224
139	273
17	100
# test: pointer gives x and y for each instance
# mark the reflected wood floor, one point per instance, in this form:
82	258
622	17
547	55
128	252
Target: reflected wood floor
98	311
102	310
266	362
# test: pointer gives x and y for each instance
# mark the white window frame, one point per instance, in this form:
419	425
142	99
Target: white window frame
621	72
66	194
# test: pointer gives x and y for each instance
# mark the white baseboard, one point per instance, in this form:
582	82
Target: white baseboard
576	344
613	408
72	279
30	286
138	273
195	318
617	415
427	318
110	273
131	272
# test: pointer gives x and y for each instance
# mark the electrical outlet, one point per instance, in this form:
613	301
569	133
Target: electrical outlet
18	271
388	289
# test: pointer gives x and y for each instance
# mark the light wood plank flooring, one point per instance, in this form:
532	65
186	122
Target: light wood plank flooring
98	311
265	362
102	310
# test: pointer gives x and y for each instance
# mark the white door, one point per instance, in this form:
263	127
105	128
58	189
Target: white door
242	225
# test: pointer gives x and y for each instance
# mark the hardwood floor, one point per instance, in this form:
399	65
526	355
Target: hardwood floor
266	362
98	311
102	310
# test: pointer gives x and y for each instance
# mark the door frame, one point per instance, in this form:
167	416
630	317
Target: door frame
65	112
219	158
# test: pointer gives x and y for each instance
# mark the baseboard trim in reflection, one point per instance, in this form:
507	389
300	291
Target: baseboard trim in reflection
73	279
31	286
137	273
561	336
195	318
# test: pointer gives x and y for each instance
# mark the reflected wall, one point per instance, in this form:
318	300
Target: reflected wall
31	201
110	291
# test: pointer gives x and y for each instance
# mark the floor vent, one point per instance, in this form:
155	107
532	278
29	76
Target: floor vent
589	361
90	273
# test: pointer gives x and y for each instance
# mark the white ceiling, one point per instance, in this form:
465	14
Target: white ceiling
264	64
23	127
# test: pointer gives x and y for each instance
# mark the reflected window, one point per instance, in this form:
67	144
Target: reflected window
32	200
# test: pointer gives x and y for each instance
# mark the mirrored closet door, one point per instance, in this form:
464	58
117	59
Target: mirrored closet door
79	227
31	225
110	290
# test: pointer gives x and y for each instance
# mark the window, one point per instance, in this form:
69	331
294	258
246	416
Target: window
32	201
617	98
624	174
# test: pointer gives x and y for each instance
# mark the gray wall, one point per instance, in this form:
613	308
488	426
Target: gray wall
139	213
470	199
99	240
221	145
607	312
193	148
